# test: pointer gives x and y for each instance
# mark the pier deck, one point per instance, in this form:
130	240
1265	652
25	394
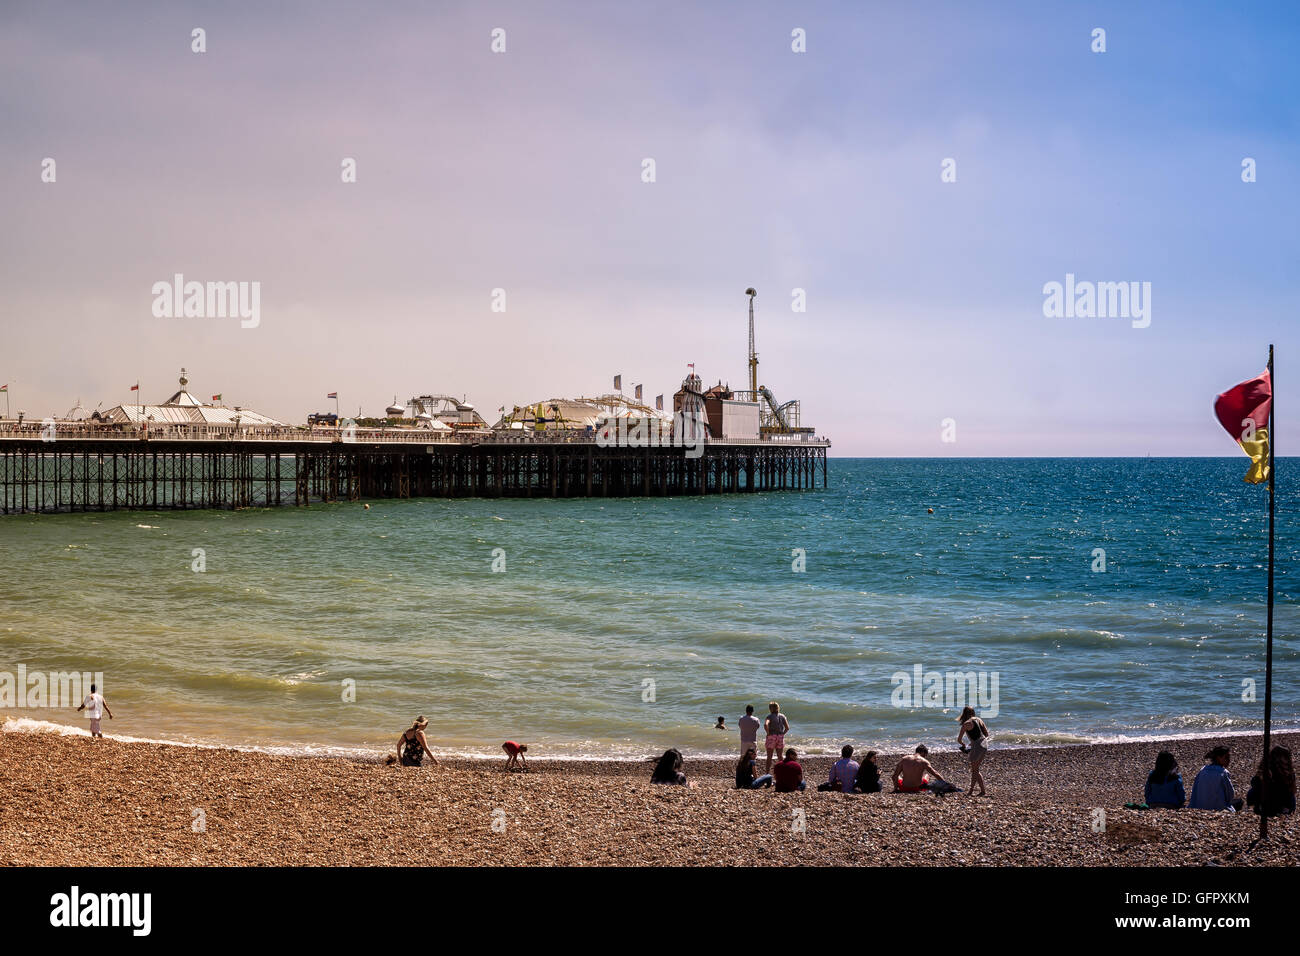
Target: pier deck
95	471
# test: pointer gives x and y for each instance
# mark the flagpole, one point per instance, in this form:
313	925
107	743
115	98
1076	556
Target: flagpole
1267	784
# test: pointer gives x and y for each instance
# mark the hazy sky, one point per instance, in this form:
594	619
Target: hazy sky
522	171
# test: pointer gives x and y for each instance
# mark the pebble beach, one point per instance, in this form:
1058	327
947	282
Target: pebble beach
74	801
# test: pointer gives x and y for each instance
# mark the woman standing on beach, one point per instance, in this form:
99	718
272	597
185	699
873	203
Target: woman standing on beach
412	746
978	732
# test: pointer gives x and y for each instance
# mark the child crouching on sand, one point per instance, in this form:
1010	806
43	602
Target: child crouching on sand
515	755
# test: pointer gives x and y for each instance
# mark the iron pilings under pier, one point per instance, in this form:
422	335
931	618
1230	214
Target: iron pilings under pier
105	475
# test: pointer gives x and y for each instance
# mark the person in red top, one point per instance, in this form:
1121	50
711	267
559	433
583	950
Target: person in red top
515	754
788	774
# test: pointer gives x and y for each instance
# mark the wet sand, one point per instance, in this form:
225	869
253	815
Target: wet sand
70	800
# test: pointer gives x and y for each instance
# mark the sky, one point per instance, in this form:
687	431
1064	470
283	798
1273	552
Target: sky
523	171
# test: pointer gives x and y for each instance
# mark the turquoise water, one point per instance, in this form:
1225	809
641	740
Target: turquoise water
696	595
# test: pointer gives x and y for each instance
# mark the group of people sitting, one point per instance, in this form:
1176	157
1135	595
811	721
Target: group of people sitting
913	774
847	775
1271	793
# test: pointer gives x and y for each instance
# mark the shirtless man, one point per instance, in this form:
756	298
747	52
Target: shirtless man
776	727
914	772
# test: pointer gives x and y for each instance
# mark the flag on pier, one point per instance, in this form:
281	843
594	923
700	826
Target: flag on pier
332	395
135	387
1244	412
638	393
4	388
217	397
618	383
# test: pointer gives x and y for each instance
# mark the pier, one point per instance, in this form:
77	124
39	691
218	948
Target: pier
90	468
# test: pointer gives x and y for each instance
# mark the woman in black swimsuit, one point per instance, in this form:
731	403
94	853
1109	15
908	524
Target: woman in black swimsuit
412	746
978	732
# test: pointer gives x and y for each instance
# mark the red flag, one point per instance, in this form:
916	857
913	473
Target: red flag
1244	411
135	388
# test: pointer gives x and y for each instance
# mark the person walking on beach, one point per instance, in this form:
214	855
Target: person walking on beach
776	727
515	755
412	745
868	779
843	772
1164	789
749	725
1272	789
1212	788
95	707
978	732
789	774
745	779
914	772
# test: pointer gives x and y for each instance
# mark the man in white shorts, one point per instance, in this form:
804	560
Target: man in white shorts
94	705
749	725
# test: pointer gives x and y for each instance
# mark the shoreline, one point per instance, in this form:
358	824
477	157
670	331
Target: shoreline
80	802
364	755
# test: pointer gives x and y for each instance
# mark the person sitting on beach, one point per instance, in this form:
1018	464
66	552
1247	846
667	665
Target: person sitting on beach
1272	789
978	732
412	745
843	772
745	772
868	779
721	724
95	706
1212	788
1164	789
515	755
915	773
788	774
776	727
669	769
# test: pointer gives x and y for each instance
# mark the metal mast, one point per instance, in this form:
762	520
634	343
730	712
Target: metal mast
753	356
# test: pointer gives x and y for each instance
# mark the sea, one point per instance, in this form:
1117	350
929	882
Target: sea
1070	600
